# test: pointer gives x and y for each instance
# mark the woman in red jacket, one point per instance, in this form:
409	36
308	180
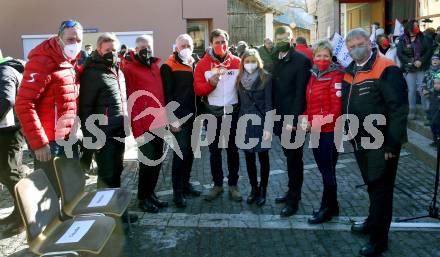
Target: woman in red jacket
323	98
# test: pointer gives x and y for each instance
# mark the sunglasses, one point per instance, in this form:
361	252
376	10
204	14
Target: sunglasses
68	24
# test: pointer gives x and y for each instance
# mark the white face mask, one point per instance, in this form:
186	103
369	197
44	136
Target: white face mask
72	50
250	67
185	54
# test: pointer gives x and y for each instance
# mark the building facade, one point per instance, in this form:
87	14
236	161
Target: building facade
25	23
343	15
250	21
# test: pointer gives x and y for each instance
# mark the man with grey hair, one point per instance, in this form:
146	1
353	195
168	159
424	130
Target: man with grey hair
103	92
177	77
142	74
265	52
49	91
374	84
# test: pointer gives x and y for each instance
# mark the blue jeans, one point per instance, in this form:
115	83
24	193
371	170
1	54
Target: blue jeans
414	81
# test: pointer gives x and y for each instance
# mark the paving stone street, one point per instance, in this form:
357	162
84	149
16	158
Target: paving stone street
226	228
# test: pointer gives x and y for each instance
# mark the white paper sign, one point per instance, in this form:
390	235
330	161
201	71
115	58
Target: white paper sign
76	231
340	50
101	198
398	28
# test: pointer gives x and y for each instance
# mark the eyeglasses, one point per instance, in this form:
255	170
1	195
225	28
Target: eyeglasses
68	24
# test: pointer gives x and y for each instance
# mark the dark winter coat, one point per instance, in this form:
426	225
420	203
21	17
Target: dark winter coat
378	88
102	91
10	78
406	51
256	100
178	80
289	82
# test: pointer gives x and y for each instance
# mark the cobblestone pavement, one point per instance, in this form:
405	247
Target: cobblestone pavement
226	228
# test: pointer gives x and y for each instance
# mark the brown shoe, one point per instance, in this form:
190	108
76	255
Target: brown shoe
215	192
234	194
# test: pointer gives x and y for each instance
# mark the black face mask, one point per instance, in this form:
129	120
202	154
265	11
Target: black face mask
282	46
110	59
145	57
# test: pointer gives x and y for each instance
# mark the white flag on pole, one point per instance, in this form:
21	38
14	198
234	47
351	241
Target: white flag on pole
373	36
340	50
398	28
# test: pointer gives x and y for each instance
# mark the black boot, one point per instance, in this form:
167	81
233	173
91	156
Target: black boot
179	200
147	205
262	198
333	201
253	196
329	206
156	201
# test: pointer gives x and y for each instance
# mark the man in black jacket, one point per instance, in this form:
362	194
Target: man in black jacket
177	78
11	138
291	74
102	92
375	85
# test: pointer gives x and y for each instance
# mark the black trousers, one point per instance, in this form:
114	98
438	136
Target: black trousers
86	157
263	157
110	162
326	157
11	153
181	169
295	172
149	175
231	152
380	176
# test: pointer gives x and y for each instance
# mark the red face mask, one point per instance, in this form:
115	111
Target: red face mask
416	30
220	50
322	65
385	43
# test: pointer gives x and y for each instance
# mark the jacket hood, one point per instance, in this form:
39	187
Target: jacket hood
132	59
210	52
333	67
17	64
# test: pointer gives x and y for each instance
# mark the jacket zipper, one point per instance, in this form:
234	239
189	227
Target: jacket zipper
56	114
348	105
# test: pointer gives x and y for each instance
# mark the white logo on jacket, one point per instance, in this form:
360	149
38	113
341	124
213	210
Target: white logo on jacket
226	92
32	75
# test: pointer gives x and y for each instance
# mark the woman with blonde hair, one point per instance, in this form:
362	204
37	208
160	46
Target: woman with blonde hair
255	94
323	99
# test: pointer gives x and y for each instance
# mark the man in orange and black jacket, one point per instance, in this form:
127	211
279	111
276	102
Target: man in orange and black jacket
177	78
375	85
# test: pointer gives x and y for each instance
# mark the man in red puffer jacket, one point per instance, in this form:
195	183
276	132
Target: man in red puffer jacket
324	106
215	80
46	103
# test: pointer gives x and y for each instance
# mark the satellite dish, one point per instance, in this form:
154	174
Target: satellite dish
292	25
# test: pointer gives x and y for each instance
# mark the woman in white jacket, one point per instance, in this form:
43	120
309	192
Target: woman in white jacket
388	49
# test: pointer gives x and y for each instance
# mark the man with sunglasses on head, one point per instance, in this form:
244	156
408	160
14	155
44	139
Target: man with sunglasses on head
46	102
